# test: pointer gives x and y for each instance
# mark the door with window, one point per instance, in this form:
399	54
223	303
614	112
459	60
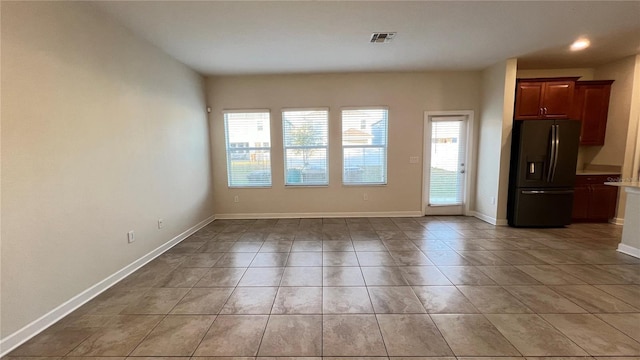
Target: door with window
446	163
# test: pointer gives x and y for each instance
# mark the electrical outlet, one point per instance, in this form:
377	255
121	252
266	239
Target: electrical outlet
131	236
160	223
493	200
413	159
365	197
236	198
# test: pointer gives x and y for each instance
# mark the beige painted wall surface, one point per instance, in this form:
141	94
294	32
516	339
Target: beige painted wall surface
407	95
494	148
489	140
101	134
508	107
613	151
623	120
631	165
583	73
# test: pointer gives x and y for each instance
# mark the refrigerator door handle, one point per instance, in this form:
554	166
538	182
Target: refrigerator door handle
556	150
548	192
552	152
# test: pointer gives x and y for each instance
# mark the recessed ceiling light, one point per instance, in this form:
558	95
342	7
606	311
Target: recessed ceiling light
580	44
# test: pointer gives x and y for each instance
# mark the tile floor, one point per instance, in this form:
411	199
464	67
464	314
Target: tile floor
441	287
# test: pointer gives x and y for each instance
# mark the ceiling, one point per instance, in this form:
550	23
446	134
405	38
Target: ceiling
267	37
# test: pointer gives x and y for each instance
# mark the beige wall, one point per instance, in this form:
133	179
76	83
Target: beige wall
494	147
583	73
622	125
613	151
407	95
101	134
631	166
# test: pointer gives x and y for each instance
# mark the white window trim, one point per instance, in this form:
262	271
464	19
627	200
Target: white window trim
285	147
470	164
245	111
385	147
227	147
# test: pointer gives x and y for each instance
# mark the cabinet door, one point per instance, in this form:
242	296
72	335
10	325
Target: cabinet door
528	97
581	203
602	205
557	99
593	102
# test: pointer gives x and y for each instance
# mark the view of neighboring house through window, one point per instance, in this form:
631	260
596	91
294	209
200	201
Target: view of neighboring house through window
364	146
248	141
305	134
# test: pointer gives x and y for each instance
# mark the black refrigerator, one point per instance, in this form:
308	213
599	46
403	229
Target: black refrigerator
543	171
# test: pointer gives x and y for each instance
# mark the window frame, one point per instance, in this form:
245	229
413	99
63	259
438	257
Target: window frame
385	147
285	147
249	148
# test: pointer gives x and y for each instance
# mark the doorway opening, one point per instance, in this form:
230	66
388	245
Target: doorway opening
447	140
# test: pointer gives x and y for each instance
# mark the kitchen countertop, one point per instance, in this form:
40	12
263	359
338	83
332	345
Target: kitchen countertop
627	184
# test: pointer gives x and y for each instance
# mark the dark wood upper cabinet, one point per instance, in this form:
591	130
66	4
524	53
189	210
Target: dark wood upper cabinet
544	98
591	106
528	98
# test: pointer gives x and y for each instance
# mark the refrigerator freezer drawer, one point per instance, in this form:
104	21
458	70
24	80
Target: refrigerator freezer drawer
541	208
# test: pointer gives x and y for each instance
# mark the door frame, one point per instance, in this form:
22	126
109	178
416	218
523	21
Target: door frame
469	164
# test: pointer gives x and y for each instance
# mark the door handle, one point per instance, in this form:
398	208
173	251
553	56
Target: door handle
549	192
552	153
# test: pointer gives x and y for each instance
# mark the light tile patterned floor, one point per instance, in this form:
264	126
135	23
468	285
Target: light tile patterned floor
379	287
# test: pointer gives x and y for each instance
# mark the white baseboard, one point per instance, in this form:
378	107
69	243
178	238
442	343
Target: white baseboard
319	215
617	221
37	326
629	250
489	219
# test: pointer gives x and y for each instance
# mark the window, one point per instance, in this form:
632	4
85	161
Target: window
305	134
448	154
248	148
364	146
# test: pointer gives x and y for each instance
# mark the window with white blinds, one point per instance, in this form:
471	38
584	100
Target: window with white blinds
446	184
305	135
364	146
248	142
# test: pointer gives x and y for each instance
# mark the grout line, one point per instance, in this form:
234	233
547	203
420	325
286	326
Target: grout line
322	298
242	227
217	315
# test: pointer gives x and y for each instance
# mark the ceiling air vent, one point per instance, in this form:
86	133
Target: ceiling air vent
382	37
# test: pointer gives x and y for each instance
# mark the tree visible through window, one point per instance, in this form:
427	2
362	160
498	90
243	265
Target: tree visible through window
305	134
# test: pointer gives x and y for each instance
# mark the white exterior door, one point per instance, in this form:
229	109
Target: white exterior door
446	167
